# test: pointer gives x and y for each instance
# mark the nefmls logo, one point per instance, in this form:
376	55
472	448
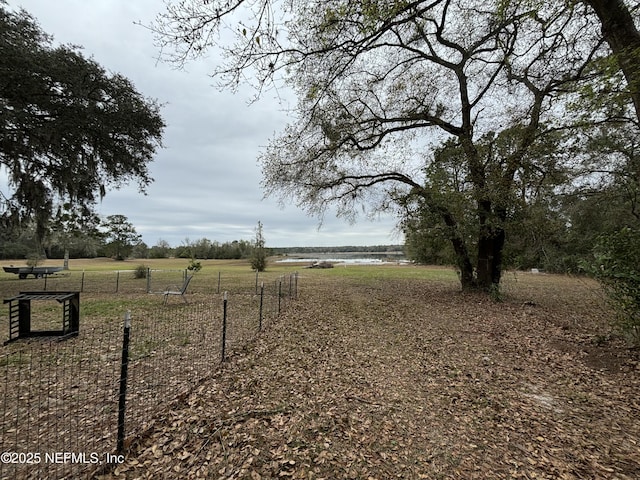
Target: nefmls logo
72	457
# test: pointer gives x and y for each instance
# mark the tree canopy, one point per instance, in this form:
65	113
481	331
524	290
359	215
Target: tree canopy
69	130
441	107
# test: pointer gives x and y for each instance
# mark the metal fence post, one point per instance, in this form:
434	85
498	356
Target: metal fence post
148	280
261	300
218	289
224	325
117	280
82	282
122	396
279	294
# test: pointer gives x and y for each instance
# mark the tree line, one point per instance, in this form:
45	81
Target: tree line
204	249
114	237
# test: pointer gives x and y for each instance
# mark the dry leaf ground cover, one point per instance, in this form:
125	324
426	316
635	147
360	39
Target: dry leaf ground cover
390	373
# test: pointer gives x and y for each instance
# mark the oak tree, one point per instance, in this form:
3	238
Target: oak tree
620	31
382	84
69	130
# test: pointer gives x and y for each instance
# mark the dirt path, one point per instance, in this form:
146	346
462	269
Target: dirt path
407	379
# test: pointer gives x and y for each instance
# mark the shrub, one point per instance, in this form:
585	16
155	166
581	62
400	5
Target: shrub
141	271
194	266
617	268
34	259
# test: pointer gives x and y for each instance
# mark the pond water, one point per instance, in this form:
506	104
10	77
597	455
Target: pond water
356	258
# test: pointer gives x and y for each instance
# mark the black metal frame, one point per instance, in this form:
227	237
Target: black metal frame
20	315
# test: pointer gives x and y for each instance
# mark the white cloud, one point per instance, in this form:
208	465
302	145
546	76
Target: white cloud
206	179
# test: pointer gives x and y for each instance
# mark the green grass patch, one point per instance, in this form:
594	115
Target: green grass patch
375	273
14	359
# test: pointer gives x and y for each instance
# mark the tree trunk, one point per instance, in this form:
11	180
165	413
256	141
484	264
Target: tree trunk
620	32
489	268
490	246
463	260
467	279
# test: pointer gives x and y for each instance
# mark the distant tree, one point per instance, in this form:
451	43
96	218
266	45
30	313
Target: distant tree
184	250
121	236
69	131
229	250
259	252
235	249
19	243
73	231
11	246
140	250
201	248
537	238
425	240
161	249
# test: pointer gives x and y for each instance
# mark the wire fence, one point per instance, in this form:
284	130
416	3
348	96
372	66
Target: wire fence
135	281
71	408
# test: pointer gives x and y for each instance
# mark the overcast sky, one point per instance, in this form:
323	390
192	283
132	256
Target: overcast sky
207	180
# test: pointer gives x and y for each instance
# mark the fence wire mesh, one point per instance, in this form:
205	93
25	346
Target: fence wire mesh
146	281
60	398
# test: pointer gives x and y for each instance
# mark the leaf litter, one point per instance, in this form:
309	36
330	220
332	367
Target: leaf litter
409	378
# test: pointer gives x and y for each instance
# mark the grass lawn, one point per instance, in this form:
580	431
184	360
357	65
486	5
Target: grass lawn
107	284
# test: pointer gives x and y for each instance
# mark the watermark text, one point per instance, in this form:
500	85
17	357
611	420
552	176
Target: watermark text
32	458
